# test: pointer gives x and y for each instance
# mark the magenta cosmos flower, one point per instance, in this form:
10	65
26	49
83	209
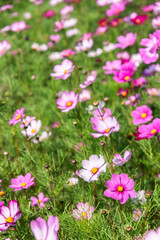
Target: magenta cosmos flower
152	235
106	127
142	115
4	46
126	41
9	215
148	131
120	187
63	71
150	54
118	160
17	117
84	211
43	230
125	73
39	201
92	168
22	182
67	101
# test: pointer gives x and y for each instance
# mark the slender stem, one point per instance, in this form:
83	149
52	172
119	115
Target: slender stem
112	143
109	163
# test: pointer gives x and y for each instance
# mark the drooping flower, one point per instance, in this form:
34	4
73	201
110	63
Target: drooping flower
63	71
141	115
9	215
148	131
22	182
43	230
39	201
72	181
4	46
120	187
136	214
67	101
17	117
84	211
89	80
118	160
126	41
152	235
92	168
106	127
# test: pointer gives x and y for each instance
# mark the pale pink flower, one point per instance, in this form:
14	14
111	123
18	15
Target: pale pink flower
26	121
18	26
55	38
118	160
152	235
111	66
84	211
4	46
89	80
58	26
156	22
67	9
39	201
84	96
126	41
153	91
115	9
70	23
63	71
67	101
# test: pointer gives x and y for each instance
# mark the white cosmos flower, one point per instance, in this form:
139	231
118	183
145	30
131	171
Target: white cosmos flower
32	129
92	168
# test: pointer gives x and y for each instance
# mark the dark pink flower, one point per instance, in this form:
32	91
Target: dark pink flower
120	187
48	14
139	19
142	114
148	131
40	200
17	117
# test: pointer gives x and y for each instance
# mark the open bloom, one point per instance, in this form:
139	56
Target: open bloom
84	211
67	101
141	115
118	160
43	230
63	71
151	234
9	215
139	19
106	127
18	26
26	121
125	73
115	9
4	46
136	214
40	200
92	168
89	80
150	54
85	95
120	187
126	41
22	182
32	129
148	131
17	117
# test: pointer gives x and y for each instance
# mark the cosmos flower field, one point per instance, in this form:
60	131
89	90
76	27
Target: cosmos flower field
80	120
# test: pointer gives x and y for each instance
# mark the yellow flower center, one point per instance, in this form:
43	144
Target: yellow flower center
107	130
84	214
39	201
126	78
9	220
33	130
143	115
70	184
120	189
94	170
124	93
18	117
2	193
153	131
117	11
25	122
138	20
23	184
69	104
65	71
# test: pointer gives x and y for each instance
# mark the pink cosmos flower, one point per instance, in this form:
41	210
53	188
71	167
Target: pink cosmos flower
1	204
85	45
56	124
115	22
111	66
87	36
156	22
6	7
66	10
106	127
17	117
92	168
63	71
150	54
58	26
152	235
9	215
101	30
133	100
84	96
136	214
140	82
18	26
140	19
89	80
32	129
120	187
115	9
142	114
4	46
39	201
102	3
43	230
101	114
148	131
48	14
84	211
67	53
26	121
118	160
125	73
122	92
126	41
153	91
148	8
0	182
55	38
67	101
22	182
